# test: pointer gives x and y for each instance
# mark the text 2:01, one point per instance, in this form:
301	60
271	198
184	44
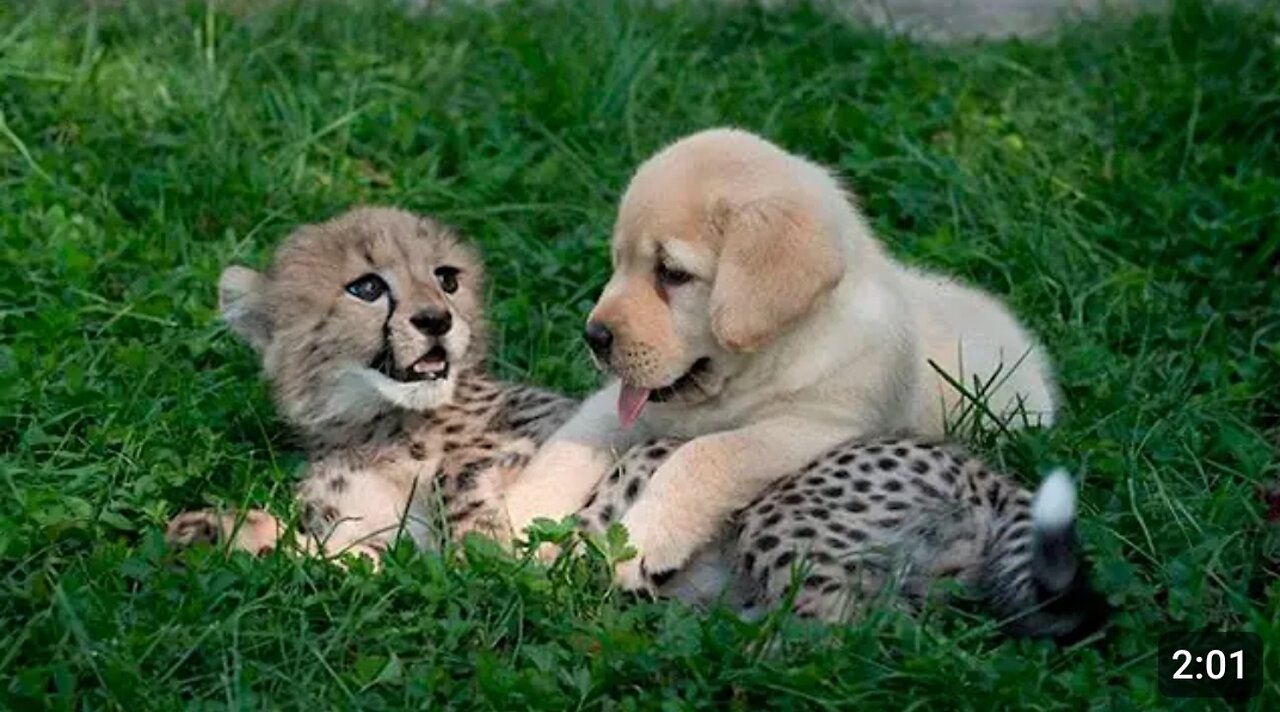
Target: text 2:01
1238	656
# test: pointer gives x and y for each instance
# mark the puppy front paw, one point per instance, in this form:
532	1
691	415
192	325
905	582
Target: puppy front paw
630	576
658	558
634	575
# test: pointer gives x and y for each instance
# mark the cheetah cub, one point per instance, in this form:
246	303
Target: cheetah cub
884	520
372	335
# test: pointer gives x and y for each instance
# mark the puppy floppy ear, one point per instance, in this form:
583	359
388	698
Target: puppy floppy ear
776	260
240	300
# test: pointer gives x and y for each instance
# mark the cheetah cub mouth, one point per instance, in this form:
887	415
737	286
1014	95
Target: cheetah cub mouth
432	366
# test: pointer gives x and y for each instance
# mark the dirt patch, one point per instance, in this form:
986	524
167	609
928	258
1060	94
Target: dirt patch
969	19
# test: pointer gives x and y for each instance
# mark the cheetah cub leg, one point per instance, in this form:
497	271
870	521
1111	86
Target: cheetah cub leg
343	512
476	497
257	532
354	511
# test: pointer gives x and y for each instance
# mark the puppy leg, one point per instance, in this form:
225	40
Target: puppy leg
622	487
561	476
704	482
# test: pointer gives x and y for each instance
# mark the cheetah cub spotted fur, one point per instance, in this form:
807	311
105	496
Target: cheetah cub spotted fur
372	335
890	517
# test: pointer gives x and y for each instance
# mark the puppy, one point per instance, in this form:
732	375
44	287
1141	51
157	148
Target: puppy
752	312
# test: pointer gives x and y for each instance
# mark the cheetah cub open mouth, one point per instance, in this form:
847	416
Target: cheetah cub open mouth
433	366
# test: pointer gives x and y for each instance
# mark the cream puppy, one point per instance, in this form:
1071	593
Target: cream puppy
752	311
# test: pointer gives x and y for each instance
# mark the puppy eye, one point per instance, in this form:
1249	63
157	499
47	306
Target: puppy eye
369	288
671	276
448	278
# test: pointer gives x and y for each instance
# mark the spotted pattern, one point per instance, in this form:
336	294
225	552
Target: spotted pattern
863	521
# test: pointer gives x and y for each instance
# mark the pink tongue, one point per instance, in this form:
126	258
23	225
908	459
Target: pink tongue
630	402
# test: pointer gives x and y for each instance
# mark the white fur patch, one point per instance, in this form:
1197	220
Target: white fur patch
1054	506
421	395
361	392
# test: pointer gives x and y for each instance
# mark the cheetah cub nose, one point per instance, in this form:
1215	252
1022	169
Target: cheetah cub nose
433	321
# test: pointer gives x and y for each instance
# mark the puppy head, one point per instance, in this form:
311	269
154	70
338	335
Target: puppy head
377	307
723	241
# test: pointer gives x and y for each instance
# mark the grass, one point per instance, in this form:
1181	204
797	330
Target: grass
1119	187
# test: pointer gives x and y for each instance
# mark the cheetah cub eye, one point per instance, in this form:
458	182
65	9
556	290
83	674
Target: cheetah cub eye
448	278
369	288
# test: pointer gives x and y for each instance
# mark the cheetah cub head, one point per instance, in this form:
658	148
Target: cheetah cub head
374	310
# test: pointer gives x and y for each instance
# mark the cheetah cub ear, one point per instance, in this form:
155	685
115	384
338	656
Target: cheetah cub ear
240	299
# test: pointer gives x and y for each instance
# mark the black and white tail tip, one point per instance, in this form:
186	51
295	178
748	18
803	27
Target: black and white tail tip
1054	506
1066	606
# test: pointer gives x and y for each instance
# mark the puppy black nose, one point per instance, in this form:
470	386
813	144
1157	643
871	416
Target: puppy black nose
433	321
598	337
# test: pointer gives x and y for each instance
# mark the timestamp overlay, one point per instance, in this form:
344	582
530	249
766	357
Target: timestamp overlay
1227	665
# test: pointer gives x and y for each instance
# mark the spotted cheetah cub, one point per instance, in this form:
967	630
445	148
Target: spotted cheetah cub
372	334
885	520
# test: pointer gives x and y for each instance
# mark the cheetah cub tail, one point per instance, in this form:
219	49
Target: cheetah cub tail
1043	589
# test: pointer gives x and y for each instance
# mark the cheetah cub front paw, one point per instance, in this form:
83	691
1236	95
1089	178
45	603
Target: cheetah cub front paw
257	533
